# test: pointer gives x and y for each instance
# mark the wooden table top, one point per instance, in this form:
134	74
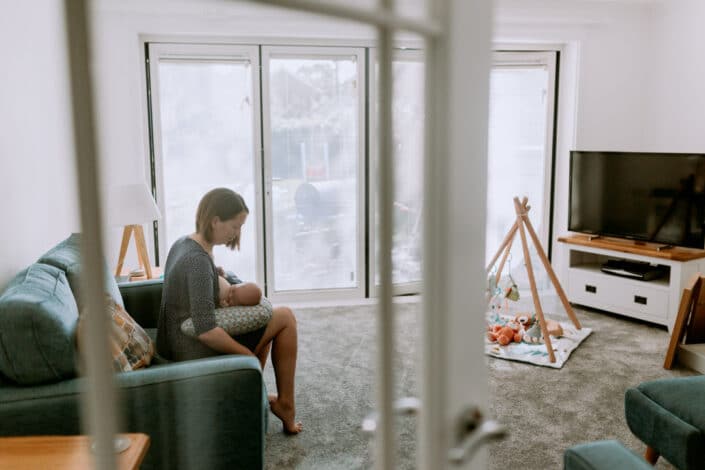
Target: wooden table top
676	253
65	452
125	275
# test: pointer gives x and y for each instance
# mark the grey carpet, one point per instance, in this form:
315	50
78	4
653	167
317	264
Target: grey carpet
546	410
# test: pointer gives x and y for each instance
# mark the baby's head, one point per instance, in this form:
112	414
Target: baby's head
245	294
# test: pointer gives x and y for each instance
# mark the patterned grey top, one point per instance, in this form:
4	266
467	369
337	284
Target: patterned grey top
190	290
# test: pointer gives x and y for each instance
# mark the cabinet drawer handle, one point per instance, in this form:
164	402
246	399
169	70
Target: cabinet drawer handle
591	289
639	300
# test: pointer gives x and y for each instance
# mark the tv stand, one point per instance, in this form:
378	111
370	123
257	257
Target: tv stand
653	300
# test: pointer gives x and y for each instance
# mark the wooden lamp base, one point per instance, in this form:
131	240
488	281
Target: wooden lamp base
142	254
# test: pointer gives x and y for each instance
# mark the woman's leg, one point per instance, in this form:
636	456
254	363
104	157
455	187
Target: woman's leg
263	354
281	333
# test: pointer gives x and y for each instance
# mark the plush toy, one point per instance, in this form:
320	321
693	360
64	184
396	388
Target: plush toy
505	334
525	320
495	304
533	333
554	328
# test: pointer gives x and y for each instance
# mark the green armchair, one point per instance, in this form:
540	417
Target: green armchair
668	415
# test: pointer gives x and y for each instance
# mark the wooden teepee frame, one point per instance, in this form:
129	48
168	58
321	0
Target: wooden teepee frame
522	225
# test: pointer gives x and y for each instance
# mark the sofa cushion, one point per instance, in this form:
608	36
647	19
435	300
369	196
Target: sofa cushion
131	347
607	455
67	256
38	317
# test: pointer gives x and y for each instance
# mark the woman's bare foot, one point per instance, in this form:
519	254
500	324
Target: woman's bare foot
287	414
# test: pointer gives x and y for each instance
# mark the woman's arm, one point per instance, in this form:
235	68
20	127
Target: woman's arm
222	342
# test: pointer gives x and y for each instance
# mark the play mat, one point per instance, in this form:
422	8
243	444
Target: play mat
535	353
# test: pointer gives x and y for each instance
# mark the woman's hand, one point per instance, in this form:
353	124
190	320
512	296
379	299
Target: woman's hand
219	340
220	271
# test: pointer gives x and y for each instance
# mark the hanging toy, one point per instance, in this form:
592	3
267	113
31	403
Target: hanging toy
511	291
508	290
491	286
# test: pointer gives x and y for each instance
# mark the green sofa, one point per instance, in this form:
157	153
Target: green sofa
209	413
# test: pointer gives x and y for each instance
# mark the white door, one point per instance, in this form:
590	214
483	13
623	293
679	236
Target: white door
455	374
454	377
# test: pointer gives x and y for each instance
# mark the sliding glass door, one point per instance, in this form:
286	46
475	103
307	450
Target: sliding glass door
298	161
314	142
204	104
520	147
298	155
408	149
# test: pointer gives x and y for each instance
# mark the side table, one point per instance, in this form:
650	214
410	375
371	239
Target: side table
65	452
124	276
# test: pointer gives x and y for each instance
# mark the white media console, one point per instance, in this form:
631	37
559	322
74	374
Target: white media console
655	301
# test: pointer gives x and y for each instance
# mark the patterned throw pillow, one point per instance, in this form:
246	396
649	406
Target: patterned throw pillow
130	346
237	320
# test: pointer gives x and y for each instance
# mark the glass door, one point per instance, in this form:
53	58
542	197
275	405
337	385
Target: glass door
204	105
408	147
313	111
520	150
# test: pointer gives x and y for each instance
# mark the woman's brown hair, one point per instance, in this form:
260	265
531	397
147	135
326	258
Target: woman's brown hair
223	203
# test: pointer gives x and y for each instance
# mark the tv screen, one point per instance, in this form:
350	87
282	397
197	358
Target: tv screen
656	197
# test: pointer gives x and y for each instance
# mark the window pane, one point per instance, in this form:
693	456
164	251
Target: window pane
516	151
206	110
408	118
408	148
314	156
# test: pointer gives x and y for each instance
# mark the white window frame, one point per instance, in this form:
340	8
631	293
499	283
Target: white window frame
319	52
206	53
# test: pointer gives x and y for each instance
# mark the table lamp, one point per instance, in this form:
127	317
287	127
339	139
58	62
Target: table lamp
132	205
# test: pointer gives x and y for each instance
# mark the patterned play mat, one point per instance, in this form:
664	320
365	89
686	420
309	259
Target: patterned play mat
535	353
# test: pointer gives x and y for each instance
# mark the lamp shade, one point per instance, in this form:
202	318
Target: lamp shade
131	204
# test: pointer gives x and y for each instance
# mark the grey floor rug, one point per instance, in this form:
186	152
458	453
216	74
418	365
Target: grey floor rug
546	410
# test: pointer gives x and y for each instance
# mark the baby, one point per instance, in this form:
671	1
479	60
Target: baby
238	294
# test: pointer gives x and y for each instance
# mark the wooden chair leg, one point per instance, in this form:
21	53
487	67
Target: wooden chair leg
651	455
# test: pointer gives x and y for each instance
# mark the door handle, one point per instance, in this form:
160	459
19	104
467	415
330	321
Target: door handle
402	406
472	432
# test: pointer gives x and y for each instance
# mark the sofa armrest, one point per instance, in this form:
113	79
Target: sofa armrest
208	413
142	300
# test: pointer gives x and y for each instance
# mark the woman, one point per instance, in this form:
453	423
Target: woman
191	289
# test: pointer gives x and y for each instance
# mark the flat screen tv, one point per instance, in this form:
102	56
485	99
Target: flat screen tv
655	197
